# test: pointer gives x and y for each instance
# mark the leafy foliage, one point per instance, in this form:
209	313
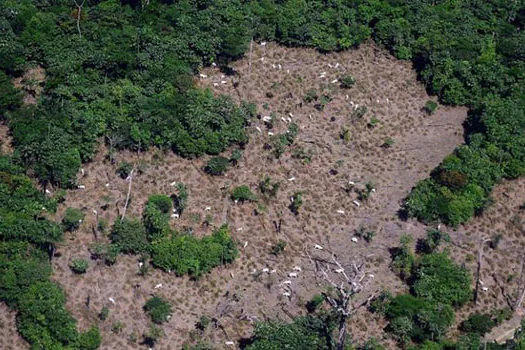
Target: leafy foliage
217	165
79	265
243	193
73	217
158	309
184	253
129	235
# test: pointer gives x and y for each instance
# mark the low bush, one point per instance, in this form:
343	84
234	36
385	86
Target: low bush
297	202
158	309
124	169
73	217
478	323
268	188
243	194
347	81
79	265
217	166
430	107
129	235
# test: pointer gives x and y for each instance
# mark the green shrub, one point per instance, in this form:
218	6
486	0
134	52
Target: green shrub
217	166
89	340
79	265
268	188
244	194
279	247
404	258
347	81
235	156
430	107
162	202
124	169
73	217
297	202
104	313
389	142
129	235
158	309
439	279
311	95
315	302
186	254
478	323
432	241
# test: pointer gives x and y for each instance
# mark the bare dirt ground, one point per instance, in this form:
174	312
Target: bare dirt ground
239	294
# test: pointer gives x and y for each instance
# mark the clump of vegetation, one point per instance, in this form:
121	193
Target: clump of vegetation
323	101
432	241
198	255
316	301
129	235
389	142
430	107
180	200
268	188
104	313
243	193
345	135
359	113
297	202
310	96
305	156
367	234
279	247
158	309
217	166
278	143
478	323
124	169
73	217
373	122
79	265
404	258
235	157
347	81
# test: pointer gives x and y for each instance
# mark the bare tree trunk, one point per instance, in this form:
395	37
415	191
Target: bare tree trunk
478	270
79	12
130	180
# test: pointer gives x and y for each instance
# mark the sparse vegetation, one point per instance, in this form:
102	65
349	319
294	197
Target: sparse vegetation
279	247
124	169
347	81
297	202
430	107
268	188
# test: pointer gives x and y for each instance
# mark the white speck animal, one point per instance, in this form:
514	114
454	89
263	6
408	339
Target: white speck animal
334	81
297	268
263	43
291	115
274	66
317	246
339	270
158	286
485	289
245	244
340	211
310	116
273	271
112	300
232	275
270	133
329	65
223	81
287	282
286	294
48	191
229	343
292	178
215	84
173	183
261	59
292	274
266	269
82	171
107	185
174	216
140	264
336	65
213	64
267	118
356	203
280	67
81	187
258	129
94	212
207	208
203	76
240	229
351	183
371	275
354	239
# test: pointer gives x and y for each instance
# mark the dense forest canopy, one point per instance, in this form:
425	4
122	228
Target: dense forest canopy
122	73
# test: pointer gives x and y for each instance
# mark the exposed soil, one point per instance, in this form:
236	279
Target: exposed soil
239	294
